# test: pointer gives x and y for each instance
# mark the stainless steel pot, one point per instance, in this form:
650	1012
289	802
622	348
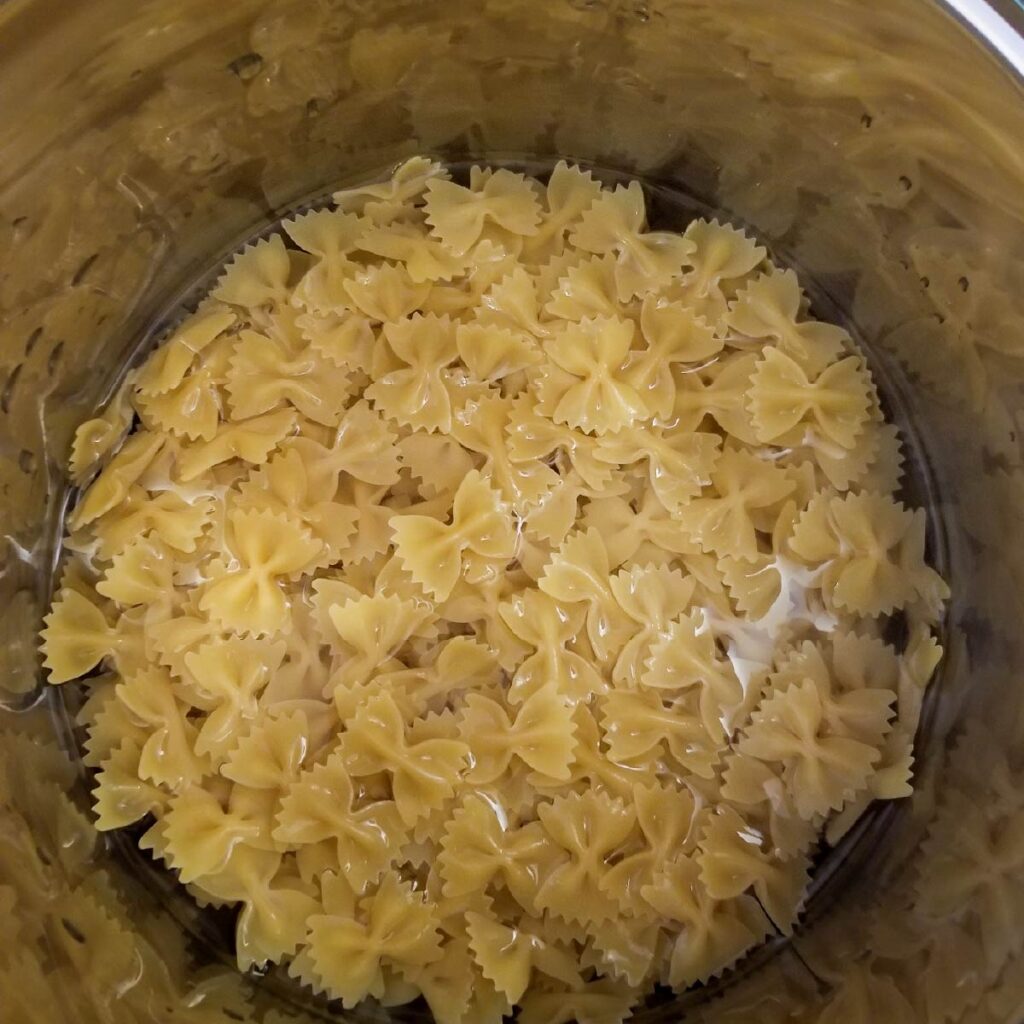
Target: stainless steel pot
878	146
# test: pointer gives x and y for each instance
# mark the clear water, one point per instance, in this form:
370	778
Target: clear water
211	932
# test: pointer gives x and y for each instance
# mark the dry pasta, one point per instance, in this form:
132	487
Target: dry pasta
489	600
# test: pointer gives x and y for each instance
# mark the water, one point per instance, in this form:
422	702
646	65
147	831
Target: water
835	869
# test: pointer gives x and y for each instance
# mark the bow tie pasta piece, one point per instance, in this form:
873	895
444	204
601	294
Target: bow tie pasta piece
594	353
95	439
568	194
820	766
579	572
508	956
722	396
425	259
652	597
491	353
481	849
646	260
624	950
459	216
768	307
321	806
721	253
171	363
258	277
627	529
273	919
266	374
344	339
602	1001
372	630
786	404
857	542
481	427
589	827
460	664
538	620
423	774
713	934
744	487
120	796
679	463
386	293
251	441
168	757
385	201
269	547
200	835
142	574
283	486
392	926
733	860
432	551
667	817
76	636
673	336
593	767
638	725
688	657
541	735
111	487
438	463
330	236
512	302
415	394
228	677
271	754
364	446
587	290
166	516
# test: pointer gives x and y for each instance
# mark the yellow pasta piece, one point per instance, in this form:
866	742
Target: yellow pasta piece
348	948
168	756
266	374
743	487
258	276
250	440
509	955
319	807
480	426
458	216
579	572
536	619
768	308
785	402
228	677
415	394
645	260
652	597
268	547
589	828
76	637
679	462
598	398
423	774
111	487
714	933
541	735
432	551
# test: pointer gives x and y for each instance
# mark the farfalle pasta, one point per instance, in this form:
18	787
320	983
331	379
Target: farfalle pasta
495	598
